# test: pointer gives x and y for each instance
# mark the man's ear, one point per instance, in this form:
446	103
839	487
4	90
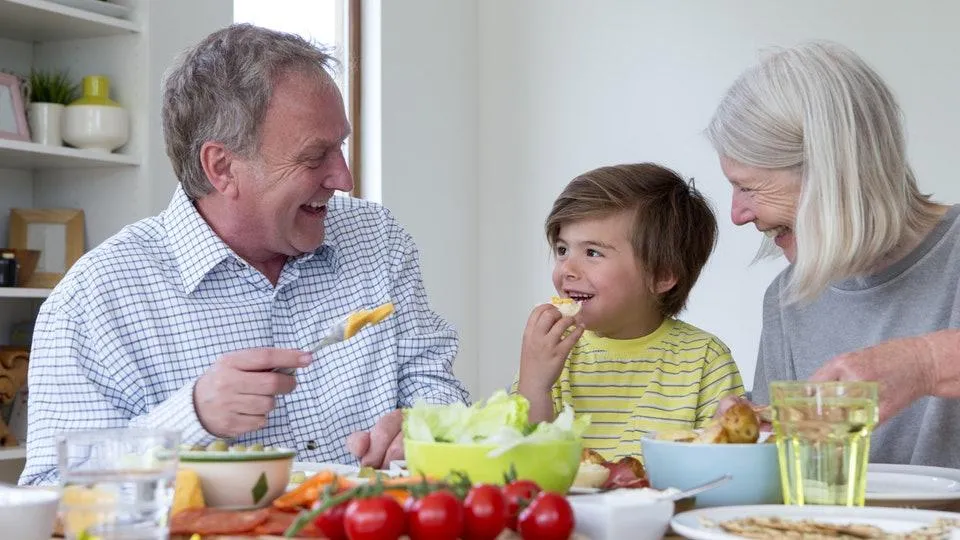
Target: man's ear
664	284
219	166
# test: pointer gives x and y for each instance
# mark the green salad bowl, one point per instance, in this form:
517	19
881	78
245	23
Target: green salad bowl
552	465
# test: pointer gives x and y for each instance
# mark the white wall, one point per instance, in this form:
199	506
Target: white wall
564	86
428	156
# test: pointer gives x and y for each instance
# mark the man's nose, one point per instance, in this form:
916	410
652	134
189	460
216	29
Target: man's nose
339	177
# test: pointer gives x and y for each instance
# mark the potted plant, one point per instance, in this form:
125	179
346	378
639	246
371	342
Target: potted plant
49	92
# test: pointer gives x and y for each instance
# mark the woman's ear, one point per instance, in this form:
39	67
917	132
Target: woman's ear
219	166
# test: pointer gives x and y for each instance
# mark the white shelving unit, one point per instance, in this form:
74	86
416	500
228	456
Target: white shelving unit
113	189
42	20
23	292
33	156
11	453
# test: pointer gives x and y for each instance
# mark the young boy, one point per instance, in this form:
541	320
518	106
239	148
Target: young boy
629	242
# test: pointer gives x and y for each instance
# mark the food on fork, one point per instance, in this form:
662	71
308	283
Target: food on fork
568	306
358	320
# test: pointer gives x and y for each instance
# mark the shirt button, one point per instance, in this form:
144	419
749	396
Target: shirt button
311	445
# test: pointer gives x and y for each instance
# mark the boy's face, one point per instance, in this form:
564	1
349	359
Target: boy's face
596	264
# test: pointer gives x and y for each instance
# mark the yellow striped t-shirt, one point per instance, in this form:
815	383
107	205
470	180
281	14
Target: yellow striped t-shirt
670	379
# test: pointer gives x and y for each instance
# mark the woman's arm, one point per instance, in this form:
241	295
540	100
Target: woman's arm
905	368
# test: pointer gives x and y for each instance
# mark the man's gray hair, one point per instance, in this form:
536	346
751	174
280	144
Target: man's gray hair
820	109
219	90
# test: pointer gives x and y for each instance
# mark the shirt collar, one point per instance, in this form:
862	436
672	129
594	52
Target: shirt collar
198	250
192	242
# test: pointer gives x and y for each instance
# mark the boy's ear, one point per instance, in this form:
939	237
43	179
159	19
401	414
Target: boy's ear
664	284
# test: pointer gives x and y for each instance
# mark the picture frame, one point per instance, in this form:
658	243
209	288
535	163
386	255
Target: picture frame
57	233
13	116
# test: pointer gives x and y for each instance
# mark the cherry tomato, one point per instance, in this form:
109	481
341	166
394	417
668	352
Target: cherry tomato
437	515
518	493
330	522
549	517
374	518
484	513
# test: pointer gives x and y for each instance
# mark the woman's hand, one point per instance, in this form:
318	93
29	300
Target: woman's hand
905	369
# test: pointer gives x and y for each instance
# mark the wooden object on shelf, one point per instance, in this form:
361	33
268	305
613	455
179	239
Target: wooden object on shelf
72	241
13	374
26	263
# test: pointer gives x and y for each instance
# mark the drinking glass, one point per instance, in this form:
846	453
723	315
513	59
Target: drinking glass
823	440
117	484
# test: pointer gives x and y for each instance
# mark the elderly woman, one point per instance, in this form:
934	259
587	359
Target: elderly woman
812	142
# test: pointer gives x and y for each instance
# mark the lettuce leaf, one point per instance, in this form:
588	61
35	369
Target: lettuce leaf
503	421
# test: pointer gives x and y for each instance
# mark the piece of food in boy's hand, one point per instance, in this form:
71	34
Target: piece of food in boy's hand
591	475
740	423
568	306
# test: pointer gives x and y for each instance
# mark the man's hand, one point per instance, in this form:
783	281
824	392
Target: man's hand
904	369
545	349
381	445
235	395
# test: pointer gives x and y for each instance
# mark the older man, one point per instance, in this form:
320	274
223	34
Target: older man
182	320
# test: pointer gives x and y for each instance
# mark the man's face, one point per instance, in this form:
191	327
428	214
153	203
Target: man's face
284	187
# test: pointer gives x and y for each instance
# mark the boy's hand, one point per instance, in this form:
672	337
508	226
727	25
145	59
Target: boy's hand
545	348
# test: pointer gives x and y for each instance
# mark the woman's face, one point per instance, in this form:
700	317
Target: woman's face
768	198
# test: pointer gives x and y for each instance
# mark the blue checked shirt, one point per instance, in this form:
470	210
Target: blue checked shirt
135	322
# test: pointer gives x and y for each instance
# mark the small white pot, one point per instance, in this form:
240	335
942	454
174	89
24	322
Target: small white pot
45	120
96	127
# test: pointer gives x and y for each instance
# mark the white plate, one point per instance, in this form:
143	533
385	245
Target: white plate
97	6
893	520
911	485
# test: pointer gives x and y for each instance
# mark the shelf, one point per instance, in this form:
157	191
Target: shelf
40	20
13	452
24	292
29	155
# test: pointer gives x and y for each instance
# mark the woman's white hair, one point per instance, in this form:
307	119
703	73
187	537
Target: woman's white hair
819	108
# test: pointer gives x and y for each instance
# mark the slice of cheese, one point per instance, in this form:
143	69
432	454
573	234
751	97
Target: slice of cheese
568	306
186	492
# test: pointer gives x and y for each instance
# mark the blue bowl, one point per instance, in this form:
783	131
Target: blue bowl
683	465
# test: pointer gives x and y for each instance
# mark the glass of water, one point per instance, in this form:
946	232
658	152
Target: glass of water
117	484
823	440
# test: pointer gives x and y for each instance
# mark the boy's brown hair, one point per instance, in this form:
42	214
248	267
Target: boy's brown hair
674	228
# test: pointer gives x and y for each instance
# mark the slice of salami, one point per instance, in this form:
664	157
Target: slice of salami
278	523
204	521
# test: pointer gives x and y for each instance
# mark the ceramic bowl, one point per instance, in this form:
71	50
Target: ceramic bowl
31	512
96	127
683	465
612	517
552	465
238	480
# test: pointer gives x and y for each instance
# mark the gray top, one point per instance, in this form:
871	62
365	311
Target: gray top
917	295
